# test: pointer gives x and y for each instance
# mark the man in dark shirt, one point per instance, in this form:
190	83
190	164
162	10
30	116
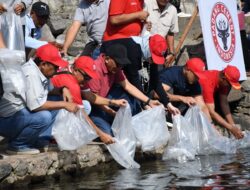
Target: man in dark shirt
183	81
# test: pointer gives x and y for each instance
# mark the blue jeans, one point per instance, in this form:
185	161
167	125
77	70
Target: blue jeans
102	119
25	129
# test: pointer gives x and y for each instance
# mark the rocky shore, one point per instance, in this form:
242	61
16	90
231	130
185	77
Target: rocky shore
55	164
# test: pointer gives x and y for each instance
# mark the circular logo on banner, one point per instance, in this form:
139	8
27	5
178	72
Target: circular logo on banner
223	32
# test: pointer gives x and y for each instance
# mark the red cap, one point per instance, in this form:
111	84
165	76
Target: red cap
232	74
50	53
158	46
87	65
196	65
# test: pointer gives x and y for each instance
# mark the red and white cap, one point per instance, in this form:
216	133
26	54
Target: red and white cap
232	74
196	65
51	54
158	47
87	65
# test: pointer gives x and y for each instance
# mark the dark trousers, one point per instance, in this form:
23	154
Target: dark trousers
89	48
134	55
102	119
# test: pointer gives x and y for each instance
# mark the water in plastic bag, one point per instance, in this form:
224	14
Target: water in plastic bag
72	131
209	140
180	145
11	28
123	150
150	129
13	79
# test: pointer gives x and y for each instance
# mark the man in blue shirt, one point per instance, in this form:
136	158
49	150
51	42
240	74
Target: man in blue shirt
183	82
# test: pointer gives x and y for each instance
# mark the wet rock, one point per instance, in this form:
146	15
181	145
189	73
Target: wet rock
22	169
235	95
246	85
5	170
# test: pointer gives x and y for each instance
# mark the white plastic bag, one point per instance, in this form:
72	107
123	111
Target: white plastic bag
150	129
209	141
13	79
180	145
11	28
123	150
72	131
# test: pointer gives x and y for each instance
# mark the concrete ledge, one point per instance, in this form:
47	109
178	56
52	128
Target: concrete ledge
26	169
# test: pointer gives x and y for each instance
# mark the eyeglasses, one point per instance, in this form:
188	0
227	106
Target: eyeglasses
85	76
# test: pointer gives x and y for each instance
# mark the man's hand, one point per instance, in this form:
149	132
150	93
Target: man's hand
168	60
190	101
2	9
154	103
143	15
173	110
236	132
119	102
64	51
19	8
67	97
106	138
71	107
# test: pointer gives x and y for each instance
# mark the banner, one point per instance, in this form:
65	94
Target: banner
221	34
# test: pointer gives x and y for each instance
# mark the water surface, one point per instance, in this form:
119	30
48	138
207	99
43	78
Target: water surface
215	172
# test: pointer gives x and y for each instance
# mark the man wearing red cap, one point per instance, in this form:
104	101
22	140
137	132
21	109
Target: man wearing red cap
78	75
183	82
37	73
25	120
220	82
153	50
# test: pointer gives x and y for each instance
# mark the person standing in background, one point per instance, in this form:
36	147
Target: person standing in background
163	20
125	19
93	14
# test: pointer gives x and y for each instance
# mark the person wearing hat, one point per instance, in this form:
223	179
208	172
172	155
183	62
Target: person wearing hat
218	83
24	120
38	16
40	94
75	80
153	50
113	84
182	86
149	48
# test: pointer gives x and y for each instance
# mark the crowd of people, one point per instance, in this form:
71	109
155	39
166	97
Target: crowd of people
130	41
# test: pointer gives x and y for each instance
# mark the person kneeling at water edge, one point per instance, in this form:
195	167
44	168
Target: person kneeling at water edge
114	85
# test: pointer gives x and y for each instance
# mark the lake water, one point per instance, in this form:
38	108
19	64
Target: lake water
215	172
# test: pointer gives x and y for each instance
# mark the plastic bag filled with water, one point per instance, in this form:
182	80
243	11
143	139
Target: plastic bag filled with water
150	128
123	150
72	131
13	79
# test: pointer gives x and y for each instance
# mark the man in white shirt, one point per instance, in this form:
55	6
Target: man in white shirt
164	20
27	121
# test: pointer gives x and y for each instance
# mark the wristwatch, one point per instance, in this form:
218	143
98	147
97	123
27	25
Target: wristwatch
171	53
